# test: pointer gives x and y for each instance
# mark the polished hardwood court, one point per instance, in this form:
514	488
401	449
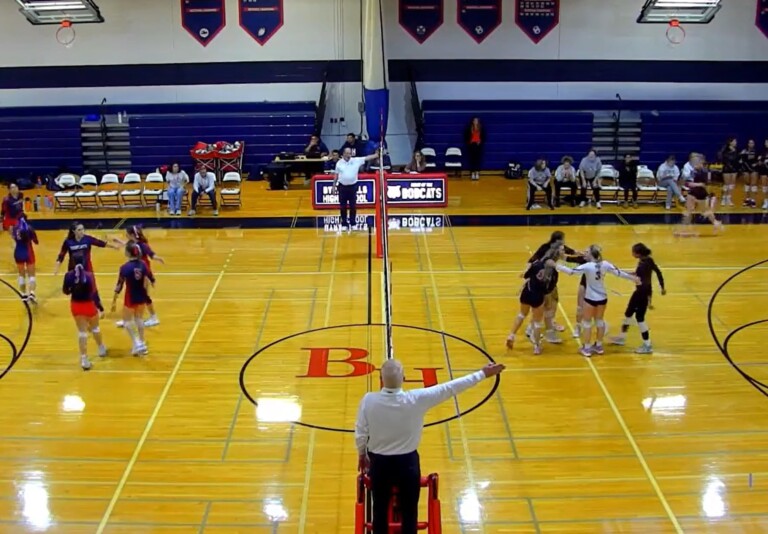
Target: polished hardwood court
171	442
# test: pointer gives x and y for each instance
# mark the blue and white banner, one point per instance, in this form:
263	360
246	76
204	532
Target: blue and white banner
479	17
375	73
417	191
421	18
537	17
396	224
762	16
203	19
325	196
261	19
423	192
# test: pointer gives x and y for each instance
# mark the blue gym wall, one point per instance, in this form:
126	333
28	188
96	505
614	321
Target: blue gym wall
142	55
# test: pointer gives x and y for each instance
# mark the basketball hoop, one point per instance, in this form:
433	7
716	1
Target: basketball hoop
675	32
65	35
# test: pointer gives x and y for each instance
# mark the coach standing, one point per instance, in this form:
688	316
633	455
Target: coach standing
388	432
347	170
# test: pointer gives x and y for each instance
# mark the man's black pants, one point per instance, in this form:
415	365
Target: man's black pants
400	471
348	197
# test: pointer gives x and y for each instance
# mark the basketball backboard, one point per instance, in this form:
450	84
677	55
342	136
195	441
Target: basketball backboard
57	11
683	11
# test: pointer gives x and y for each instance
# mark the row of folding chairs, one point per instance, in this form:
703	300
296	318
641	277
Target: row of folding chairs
648	190
452	159
132	192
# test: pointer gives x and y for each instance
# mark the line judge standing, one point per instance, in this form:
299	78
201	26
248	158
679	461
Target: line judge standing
347	170
388	432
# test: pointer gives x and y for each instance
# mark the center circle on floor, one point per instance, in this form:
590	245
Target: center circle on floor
316	378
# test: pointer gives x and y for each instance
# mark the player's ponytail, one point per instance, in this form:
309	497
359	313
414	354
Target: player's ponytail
133	250
80	277
596	254
641	250
137	234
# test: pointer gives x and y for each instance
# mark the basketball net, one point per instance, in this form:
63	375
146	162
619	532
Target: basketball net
675	32
66	35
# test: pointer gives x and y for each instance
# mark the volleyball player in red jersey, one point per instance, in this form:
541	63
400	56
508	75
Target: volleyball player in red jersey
80	286
13	208
78	245
136	234
24	254
134	276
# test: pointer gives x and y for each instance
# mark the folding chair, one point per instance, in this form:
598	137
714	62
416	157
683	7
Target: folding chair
153	193
363	513
230	196
647	187
430	157
109	190
130	193
609	185
453	160
86	197
65	200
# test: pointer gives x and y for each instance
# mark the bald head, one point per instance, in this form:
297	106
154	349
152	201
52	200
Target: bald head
392	374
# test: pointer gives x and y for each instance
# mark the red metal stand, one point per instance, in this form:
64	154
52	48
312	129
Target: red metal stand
363	514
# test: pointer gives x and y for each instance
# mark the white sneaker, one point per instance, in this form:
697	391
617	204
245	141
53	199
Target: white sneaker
535	207
152	321
644	349
140	349
102	351
85	363
582	204
765	204
618	340
551	337
191	213
215	213
120	324
577	331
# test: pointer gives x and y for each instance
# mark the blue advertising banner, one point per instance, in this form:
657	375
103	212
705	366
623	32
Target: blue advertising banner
537	17
479	17
203	19
261	19
762	16
325	196
421	18
422	192
396	224
418	191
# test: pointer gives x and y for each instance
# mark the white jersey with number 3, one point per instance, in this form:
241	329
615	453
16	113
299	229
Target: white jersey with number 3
594	273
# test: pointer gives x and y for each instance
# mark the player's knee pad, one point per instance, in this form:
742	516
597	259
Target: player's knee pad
538	325
95	330
754	189
82	335
586	324
22	281
600	323
129	324
627	321
643	326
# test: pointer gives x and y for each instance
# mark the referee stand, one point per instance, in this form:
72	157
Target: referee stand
363	512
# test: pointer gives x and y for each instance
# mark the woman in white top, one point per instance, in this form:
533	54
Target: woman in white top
177	181
595	297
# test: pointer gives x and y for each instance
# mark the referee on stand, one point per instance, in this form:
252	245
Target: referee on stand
346	172
388	432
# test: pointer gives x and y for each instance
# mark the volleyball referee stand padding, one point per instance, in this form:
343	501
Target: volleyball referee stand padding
363	512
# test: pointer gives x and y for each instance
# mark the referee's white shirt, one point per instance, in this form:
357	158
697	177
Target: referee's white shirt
390	421
347	170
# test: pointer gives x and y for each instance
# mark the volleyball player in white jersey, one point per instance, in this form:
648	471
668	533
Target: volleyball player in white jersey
595	297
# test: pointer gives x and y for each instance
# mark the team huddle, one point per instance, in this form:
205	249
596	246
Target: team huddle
539	296
135	277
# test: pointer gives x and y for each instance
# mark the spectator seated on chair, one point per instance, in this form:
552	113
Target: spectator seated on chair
565	177
333	159
667	177
628	179
418	163
539	179
354	144
204	184
177	183
316	148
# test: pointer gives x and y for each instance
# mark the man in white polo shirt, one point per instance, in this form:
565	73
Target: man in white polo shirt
347	170
388	432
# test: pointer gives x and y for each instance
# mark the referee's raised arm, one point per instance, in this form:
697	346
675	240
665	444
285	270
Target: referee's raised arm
387	434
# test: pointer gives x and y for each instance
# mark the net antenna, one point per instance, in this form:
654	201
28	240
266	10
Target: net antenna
382	225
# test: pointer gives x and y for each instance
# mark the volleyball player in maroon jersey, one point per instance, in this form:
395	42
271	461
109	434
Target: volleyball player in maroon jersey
700	199
136	234
80	286
640	300
729	155
13	208
134	277
25	238
749	170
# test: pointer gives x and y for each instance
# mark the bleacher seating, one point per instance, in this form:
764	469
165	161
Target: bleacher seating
512	134
267	130
39	145
682	132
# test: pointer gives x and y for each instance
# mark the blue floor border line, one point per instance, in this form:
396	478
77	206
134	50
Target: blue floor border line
404	221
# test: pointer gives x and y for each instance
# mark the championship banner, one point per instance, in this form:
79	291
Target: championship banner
261	19
479	17
537	17
421	18
203	19
762	16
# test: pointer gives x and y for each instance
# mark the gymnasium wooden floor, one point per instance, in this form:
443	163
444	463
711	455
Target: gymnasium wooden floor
674	442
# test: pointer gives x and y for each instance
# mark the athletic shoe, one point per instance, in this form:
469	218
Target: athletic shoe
215	213
582	204
140	349
551	337
120	324
618	340
102	351
585	351
152	321
644	349
85	363
577	331
597	348
558	327
599	206
765	204
536	349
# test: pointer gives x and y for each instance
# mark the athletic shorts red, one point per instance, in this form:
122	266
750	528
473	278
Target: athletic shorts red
9	223
83	309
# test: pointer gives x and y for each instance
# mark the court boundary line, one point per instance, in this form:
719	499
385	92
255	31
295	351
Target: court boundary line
161	401
628	434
